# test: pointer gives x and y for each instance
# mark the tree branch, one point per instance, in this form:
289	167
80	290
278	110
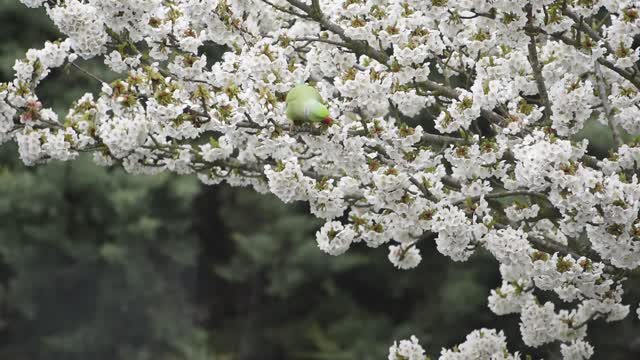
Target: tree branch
537	67
359	47
602	92
441	139
89	74
284	10
502	194
631	77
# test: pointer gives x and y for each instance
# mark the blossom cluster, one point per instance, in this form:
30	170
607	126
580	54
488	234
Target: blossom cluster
453	124
479	344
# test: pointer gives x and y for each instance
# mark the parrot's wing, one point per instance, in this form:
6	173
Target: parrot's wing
303	93
304	102
295	110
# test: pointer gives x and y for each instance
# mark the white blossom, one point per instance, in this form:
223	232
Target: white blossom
406	350
404	258
446	126
481	344
577	350
334	238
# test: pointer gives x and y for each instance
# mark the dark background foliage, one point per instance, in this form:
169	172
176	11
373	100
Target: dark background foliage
99	264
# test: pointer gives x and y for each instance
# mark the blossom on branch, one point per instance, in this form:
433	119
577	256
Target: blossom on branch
450	122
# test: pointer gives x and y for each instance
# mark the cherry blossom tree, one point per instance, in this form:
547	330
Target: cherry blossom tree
454	123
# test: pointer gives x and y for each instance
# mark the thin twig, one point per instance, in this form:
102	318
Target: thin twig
87	73
284	10
498	195
326	41
631	77
602	92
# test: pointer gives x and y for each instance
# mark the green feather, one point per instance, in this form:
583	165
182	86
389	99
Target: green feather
304	104
303	92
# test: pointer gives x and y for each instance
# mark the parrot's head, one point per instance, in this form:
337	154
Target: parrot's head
318	112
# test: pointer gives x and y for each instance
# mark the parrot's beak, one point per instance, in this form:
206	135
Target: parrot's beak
327	121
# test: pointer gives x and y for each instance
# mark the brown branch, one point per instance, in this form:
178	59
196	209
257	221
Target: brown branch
359	47
455	94
587	29
441	139
326	41
284	10
537	67
631	77
423	189
502	194
602	92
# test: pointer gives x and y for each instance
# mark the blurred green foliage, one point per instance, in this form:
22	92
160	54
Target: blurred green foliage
99	264
94	258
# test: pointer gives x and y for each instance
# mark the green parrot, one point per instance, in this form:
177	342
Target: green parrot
304	104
